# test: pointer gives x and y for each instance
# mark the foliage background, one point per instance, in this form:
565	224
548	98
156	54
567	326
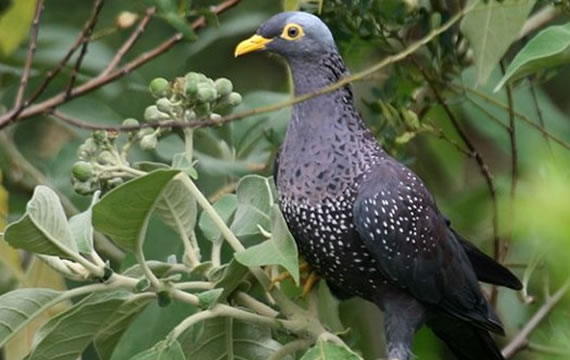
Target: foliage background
540	246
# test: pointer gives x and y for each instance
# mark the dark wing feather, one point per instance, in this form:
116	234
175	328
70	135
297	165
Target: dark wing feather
401	226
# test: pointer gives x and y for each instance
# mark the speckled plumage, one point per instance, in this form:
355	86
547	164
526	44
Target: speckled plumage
365	222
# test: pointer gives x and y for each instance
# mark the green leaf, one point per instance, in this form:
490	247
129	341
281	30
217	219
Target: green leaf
209	297
19	307
255	197
164	350
124	212
232	275
329	351
67	335
177	208
226	338
225	207
491	27
281	249
549	48
180	162
108	337
328	306
16	21
179	23
81	228
43	229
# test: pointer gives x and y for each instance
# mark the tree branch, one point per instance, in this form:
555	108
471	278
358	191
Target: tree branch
521	340
19	102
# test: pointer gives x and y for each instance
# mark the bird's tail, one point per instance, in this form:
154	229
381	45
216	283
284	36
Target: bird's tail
466	341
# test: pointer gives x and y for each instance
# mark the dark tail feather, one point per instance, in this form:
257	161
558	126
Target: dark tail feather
486	268
466	341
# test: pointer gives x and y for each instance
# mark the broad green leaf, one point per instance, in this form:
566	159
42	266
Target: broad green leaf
255	197
66	336
232	275
177	208
19	307
108	337
124	212
225	207
180	162
281	249
491	27
329	309
16	21
81	228
549	48
226	338
164	350
43	229
324	350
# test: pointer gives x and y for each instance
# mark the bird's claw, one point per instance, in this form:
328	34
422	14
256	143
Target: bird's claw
308	282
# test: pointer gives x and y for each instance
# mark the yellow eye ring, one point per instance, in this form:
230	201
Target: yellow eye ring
292	32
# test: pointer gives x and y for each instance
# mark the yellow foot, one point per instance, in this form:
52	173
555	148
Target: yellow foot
307	281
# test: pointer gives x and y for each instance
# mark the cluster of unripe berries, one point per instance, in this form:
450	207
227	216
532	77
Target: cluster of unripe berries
103	164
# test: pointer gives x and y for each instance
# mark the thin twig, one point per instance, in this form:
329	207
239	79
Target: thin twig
99	81
57	69
98	5
539	114
19	102
519	115
521	340
540	18
135	35
514	167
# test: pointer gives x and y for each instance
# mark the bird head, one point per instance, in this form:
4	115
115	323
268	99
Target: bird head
292	35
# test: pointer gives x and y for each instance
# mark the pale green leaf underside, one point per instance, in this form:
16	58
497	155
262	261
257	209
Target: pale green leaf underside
123	213
67	335
491	27
225	338
19	307
162	351
225	207
329	351
43	229
177	208
549	48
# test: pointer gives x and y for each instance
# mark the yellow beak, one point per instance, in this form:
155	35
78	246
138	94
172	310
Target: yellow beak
254	43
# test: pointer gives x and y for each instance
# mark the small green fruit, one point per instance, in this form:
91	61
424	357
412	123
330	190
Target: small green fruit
189	115
234	99
206	93
114	182
164	105
131	122
82	170
202	109
224	86
159	87
83	188
215	117
87	149
193	77
99	136
149	142
152	113
191	88
105	158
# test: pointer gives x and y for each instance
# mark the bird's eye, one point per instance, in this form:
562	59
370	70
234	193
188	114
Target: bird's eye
292	32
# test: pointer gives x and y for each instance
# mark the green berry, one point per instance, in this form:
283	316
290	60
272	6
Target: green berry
99	136
189	115
224	86
152	113
149	142
202	109
82	170
206	93
130	122
116	181
193	77
215	117
234	99
190	88
83	188
159	87
105	158
164	105
145	131
87	149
